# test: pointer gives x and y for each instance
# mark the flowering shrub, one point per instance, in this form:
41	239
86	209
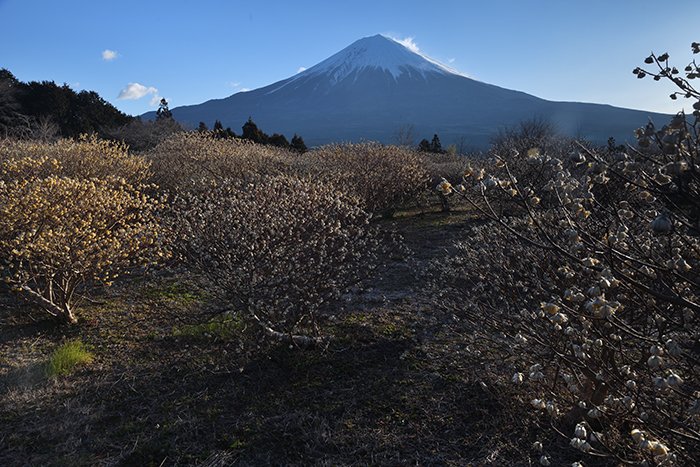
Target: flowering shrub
186	161
277	250
141	135
445	166
445	171
383	177
86	157
591	301
58	234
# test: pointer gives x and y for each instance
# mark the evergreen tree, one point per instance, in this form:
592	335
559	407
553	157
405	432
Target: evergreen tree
278	140
27	106
202	127
163	112
253	133
11	120
298	144
435	145
218	129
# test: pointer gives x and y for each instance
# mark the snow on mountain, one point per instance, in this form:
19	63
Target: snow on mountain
377	86
377	52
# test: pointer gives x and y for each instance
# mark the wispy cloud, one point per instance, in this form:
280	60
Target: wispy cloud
155	100
301	68
409	44
237	86
450	60
109	55
135	91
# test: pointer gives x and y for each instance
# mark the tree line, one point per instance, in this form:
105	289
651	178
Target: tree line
43	110
251	132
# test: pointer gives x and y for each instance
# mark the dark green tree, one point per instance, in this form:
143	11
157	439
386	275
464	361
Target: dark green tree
218	129
278	140
202	127
298	144
163	112
26	106
12	122
435	145
253	133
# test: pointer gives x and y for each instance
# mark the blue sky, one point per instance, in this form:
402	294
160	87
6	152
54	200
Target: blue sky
192	51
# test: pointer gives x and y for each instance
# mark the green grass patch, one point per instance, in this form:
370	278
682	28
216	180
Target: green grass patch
223	327
379	326
237	444
67	357
176	292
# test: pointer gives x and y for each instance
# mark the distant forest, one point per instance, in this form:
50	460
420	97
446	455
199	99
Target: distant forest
43	110
40	108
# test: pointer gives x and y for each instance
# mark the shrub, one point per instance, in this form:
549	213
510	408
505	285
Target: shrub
86	157
186	161
277	250
445	171
144	135
67	357
528	134
445	166
58	234
591	301
384	178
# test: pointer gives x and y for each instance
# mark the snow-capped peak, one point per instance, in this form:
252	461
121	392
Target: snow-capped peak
376	52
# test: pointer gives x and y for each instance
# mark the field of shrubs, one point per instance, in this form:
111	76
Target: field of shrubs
216	302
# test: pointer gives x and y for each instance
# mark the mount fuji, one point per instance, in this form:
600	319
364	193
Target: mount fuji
376	86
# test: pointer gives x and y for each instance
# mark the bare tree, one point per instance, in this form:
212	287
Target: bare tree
405	135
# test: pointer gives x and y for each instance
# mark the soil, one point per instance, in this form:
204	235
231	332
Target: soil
173	383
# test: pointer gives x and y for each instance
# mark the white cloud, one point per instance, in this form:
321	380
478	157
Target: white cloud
155	100
109	55
135	91
237	86
409	44
301	68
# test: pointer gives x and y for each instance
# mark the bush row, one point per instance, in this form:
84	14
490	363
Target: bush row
276	234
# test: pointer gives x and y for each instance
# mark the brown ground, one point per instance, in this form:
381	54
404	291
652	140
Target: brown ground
397	385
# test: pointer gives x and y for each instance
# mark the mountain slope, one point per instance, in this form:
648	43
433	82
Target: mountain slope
375	86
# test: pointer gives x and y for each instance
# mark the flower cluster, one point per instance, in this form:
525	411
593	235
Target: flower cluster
85	158
384	178
277	250
188	161
66	225
586	293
